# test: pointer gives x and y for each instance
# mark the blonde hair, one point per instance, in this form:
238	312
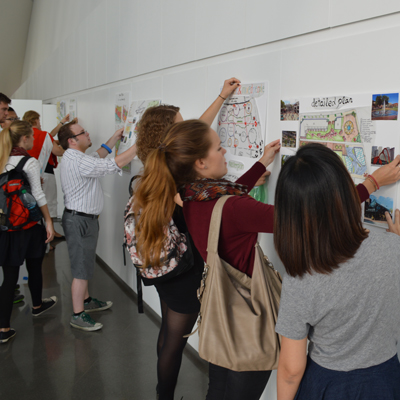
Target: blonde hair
167	168
31	116
10	137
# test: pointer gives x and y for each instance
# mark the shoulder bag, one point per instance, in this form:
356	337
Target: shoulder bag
238	314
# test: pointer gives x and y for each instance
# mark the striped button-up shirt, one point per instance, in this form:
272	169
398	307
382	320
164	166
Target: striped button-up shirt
80	180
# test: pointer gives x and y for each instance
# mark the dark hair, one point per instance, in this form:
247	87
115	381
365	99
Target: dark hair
11	109
317	222
167	167
64	134
153	127
4	99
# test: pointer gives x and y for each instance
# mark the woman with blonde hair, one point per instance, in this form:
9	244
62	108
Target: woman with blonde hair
25	244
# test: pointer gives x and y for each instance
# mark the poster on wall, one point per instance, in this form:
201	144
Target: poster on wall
136	110
61	109
72	109
122	101
362	129
241	127
45	154
337	122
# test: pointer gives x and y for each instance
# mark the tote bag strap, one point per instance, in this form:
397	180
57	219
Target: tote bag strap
215	225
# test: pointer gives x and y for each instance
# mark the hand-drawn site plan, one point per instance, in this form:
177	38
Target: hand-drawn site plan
340	131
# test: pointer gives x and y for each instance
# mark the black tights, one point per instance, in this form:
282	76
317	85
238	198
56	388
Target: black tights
11	273
170	347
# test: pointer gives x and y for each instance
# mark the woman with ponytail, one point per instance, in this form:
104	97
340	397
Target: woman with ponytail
25	244
191	160
178	295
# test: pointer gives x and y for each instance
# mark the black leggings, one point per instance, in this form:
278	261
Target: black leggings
170	347
226	384
11	273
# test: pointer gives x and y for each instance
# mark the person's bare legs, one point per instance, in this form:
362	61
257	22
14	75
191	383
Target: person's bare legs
80	292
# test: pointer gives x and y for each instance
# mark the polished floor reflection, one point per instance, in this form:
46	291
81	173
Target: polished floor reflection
49	360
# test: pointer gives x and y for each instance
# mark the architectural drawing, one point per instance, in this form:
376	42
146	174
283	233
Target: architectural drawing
338	126
135	112
239	128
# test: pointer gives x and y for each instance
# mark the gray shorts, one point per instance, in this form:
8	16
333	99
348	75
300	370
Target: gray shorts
81	234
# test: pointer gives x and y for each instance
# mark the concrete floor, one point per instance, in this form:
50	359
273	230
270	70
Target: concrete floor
50	360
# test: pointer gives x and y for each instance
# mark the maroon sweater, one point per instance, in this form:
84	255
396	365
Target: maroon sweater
242	219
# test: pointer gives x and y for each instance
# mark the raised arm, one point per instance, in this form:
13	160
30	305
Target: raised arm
383	176
60	124
230	85
110	143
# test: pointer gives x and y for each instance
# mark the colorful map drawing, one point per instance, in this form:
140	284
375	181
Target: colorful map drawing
239	128
335	127
124	113
118	116
353	156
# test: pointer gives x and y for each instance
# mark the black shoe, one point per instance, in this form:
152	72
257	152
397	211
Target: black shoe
6	336
46	305
17	287
18	298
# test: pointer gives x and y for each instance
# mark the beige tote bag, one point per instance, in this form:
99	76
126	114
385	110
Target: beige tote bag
238	313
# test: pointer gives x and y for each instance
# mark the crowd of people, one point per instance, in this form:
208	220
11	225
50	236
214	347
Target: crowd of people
338	317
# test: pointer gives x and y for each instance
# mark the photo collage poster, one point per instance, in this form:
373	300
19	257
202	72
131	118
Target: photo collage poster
362	129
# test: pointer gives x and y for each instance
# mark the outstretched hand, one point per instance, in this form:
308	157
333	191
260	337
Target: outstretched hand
389	173
393	227
230	85
270	151
118	133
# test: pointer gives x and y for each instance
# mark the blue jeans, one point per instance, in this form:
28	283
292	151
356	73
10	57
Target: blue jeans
225	384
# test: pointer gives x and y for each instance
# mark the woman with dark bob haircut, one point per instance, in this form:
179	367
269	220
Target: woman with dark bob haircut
342	288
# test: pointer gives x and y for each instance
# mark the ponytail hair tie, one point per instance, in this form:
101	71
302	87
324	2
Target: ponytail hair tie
161	147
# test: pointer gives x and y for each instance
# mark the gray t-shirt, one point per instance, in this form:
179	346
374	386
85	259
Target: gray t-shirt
351	316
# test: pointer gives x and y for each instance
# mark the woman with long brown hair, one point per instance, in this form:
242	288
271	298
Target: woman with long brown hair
192	151
178	295
24	244
342	288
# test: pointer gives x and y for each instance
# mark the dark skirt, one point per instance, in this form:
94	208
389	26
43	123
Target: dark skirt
180	292
16	246
380	382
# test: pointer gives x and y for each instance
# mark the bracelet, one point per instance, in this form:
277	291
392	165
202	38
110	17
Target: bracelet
62	123
372	179
107	148
222	97
373	183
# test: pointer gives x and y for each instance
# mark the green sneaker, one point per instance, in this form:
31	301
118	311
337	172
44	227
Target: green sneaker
85	322
18	298
97	305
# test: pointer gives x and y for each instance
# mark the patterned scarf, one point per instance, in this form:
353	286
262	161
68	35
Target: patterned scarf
210	189
19	151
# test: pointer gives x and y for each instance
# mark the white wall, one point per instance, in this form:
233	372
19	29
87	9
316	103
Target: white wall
181	51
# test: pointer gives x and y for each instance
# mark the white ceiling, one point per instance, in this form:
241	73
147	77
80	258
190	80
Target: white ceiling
15	16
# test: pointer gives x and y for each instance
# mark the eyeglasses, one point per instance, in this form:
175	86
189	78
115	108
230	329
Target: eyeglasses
13	119
82	133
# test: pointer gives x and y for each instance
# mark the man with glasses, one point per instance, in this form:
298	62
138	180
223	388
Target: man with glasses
11	117
83	198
